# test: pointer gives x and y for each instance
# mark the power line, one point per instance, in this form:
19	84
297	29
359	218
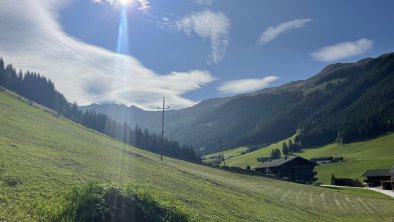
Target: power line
163	108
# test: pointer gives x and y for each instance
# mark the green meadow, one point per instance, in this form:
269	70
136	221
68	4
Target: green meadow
373	154
42	157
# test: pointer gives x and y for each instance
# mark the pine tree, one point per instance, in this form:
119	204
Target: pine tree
285	149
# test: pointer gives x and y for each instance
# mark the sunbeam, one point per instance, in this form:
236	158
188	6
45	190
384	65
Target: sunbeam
123	33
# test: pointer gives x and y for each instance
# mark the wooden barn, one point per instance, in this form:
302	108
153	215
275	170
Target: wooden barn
345	182
389	184
294	168
375	177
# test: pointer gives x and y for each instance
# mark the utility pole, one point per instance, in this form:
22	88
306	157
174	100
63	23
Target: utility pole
162	127
219	159
221	147
221	154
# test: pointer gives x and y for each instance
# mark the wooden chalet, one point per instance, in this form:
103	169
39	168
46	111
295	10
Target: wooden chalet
375	178
345	182
294	168
389	184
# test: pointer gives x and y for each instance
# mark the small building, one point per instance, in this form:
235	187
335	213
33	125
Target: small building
338	159
389	184
294	168
375	178
345	182
322	160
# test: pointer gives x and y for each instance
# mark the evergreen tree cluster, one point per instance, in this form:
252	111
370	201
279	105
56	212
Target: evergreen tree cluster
275	154
41	90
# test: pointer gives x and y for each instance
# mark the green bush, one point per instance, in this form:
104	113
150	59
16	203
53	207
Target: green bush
96	203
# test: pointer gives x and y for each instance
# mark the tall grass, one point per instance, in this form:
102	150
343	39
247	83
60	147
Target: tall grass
99	203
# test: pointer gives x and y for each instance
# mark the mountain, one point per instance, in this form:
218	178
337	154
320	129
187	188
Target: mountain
345	102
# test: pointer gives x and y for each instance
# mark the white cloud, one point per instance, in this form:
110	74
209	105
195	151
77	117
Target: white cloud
204	2
209	25
246	85
274	31
32	39
342	50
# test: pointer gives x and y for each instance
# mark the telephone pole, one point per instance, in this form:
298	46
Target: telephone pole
221	147
221	153
162	126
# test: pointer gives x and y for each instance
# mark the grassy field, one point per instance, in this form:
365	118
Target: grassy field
250	159
228	154
360	156
373	154
42	156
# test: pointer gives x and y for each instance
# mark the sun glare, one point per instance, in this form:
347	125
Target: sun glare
125	2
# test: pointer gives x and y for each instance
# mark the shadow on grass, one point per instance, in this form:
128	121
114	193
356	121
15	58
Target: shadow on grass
95	203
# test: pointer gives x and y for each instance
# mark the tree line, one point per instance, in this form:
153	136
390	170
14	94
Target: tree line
41	90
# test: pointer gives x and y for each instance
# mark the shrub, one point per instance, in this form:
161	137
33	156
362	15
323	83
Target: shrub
101	204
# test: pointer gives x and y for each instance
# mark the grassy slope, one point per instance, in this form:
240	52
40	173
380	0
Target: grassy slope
45	155
228	154
251	158
373	154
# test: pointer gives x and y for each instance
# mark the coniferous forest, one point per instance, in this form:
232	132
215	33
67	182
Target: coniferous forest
42	90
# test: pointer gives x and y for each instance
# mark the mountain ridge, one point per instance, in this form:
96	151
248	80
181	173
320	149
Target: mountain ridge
271	114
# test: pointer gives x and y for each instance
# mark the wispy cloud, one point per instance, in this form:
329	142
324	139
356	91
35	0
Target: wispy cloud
274	31
32	39
342	50
204	2
209	25
144	4
246	85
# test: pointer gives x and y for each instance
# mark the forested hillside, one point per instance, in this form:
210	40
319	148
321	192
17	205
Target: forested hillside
41	90
345	102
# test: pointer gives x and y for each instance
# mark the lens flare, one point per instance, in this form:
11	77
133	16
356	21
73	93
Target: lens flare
125	2
123	34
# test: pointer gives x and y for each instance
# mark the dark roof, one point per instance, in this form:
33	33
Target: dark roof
342	179
322	158
392	171
377	173
279	162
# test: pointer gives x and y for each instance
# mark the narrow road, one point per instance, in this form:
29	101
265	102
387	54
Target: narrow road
386	192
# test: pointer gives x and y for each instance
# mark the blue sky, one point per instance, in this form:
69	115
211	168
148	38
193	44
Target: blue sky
187	50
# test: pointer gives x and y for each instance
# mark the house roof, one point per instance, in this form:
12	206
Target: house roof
343	179
377	173
278	162
392	171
